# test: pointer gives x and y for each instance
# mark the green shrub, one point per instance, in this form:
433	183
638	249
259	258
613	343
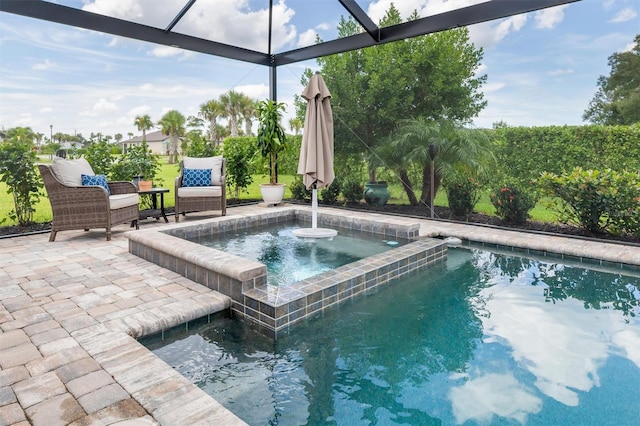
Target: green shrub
18	171
298	190
138	161
240	156
331	193
99	155
352	190
513	203
198	146
597	200
462	194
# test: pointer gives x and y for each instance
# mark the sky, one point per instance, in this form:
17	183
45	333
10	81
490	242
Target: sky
542	67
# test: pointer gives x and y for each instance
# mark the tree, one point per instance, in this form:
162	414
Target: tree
249	111
456	147
617	100
374	88
172	125
143	123
296	124
118	137
210	111
232	102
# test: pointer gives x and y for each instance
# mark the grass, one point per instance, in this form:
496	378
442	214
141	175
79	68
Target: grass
168	172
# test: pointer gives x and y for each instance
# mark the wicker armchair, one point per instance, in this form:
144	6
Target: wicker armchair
87	207
201	198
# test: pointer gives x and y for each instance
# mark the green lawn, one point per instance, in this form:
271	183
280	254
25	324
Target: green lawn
169	172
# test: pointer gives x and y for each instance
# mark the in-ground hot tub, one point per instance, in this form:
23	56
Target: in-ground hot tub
274	308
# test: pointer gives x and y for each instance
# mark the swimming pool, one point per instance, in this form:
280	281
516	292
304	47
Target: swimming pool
482	338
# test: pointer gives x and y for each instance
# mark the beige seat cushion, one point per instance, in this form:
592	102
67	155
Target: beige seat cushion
200	191
213	163
69	171
119	201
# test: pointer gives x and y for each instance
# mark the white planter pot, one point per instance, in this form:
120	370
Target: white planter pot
272	194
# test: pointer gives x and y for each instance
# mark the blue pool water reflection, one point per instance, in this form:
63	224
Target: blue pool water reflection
485	338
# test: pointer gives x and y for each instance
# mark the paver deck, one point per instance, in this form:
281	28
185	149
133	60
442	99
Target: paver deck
70	311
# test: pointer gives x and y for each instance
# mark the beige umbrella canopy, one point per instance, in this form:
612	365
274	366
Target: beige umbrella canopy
316	152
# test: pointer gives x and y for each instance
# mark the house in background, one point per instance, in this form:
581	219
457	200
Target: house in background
158	143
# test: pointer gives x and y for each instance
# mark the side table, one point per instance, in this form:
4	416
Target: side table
154	211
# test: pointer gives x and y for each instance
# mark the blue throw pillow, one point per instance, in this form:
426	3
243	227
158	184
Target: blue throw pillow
97	180
196	177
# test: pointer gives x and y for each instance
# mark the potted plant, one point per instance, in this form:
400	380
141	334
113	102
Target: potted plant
271	142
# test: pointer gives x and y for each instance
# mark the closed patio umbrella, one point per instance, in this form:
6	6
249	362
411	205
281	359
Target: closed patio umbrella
316	153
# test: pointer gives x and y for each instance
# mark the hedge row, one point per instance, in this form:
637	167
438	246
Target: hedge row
525	152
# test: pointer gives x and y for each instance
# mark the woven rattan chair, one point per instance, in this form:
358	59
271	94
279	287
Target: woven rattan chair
88	207
201	198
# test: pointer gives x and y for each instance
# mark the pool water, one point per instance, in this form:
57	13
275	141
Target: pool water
483	339
291	259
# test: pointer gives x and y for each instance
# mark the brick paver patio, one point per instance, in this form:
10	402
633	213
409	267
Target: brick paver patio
70	311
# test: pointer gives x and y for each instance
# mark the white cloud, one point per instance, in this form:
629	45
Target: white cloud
45	110
493	394
139	110
492	87
255	91
549	18
561	72
307	38
47	64
122	9
488	34
624	15
377	9
170	51
101	107
559	347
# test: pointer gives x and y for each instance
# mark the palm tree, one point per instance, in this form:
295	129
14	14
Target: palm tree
172	125
232	105
455	146
210	111
295	124
118	137
249	111
143	123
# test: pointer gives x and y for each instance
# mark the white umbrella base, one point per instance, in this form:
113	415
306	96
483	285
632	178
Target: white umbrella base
315	233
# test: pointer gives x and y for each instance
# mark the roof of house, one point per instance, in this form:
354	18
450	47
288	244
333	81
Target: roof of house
156	136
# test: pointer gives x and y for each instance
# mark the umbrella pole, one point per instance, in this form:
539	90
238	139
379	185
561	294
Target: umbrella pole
314	208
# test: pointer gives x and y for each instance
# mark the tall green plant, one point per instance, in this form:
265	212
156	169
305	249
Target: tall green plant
18	171
271	136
